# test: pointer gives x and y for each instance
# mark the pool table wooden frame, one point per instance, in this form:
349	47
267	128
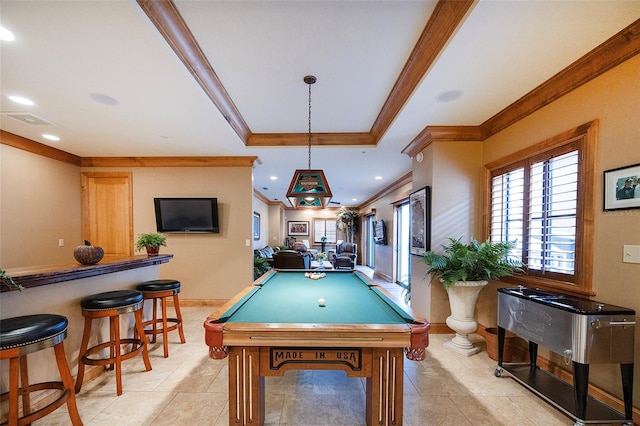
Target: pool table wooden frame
374	351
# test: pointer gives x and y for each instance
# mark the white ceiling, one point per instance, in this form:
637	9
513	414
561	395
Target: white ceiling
65	51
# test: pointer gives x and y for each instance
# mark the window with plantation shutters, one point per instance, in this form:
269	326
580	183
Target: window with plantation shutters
324	228
542	199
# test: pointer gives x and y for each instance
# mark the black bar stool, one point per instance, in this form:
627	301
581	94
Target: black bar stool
162	290
23	335
112	304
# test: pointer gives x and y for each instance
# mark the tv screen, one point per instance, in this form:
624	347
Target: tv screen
379	232
187	214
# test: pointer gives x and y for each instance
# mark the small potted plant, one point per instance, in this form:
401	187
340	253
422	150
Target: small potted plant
464	269
260	266
8	282
152	242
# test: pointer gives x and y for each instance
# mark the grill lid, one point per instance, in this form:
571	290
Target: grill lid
565	302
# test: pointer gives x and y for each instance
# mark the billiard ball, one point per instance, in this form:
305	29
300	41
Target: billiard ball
320	302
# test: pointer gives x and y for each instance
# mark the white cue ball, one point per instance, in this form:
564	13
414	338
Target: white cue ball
320	302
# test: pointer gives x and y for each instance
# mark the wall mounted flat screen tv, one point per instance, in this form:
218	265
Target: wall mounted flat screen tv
379	232
187	215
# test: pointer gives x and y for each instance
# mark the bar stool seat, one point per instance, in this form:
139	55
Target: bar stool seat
20	336
112	304
162	290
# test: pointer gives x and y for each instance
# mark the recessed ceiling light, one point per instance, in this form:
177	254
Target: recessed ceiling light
50	137
354	199
164	137
449	96
274	178
104	99
20	100
378	177
6	35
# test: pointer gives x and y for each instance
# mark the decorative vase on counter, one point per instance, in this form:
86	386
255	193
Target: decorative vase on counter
88	254
462	299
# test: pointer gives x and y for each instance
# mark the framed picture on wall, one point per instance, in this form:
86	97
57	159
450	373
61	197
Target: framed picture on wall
298	228
420	228
256	225
622	188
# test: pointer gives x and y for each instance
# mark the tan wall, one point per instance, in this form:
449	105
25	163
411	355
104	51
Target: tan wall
453	171
39	204
262	209
613	99
210	266
308	216
384	254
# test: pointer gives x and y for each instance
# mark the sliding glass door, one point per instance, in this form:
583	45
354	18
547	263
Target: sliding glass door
403	254
369	241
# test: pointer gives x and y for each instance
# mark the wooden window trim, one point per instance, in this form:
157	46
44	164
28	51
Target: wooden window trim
586	138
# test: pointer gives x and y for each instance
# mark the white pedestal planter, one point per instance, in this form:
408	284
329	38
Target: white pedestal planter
462	299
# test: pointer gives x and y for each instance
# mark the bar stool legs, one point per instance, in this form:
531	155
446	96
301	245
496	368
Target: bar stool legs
162	290
31	333
112	304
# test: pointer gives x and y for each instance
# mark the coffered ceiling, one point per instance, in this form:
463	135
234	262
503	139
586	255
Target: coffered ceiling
225	78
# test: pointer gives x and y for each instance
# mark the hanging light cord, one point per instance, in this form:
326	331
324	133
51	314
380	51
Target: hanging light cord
309	79
309	84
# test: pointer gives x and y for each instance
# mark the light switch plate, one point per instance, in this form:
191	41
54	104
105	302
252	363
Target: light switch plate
631	254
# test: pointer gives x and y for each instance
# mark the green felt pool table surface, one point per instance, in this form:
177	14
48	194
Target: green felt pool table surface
277	324
290	296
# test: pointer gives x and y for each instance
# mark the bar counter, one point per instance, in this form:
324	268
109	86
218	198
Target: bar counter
58	289
35	276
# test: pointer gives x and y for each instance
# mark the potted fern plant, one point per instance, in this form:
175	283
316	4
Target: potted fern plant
8	281
464	269
151	242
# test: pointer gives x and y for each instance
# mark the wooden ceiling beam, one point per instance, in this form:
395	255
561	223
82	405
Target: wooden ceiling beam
442	24
166	18
317	139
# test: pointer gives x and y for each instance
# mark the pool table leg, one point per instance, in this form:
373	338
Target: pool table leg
385	387
246	387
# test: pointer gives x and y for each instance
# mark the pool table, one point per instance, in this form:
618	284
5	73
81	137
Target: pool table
280	323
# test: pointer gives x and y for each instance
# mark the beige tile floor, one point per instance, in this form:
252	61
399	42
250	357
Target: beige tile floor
188	388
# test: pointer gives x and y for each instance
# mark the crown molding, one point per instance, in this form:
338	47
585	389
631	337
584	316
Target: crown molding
432	134
616	50
613	52
403	180
38	148
231	161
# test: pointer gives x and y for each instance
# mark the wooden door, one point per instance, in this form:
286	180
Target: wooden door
107	211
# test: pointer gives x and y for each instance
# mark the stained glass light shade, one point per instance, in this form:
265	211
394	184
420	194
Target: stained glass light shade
309	189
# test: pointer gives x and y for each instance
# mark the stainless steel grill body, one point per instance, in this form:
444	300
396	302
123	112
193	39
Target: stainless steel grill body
584	332
602	335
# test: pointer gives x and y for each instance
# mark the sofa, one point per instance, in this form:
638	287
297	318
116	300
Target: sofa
346	255
291	259
265	253
303	248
